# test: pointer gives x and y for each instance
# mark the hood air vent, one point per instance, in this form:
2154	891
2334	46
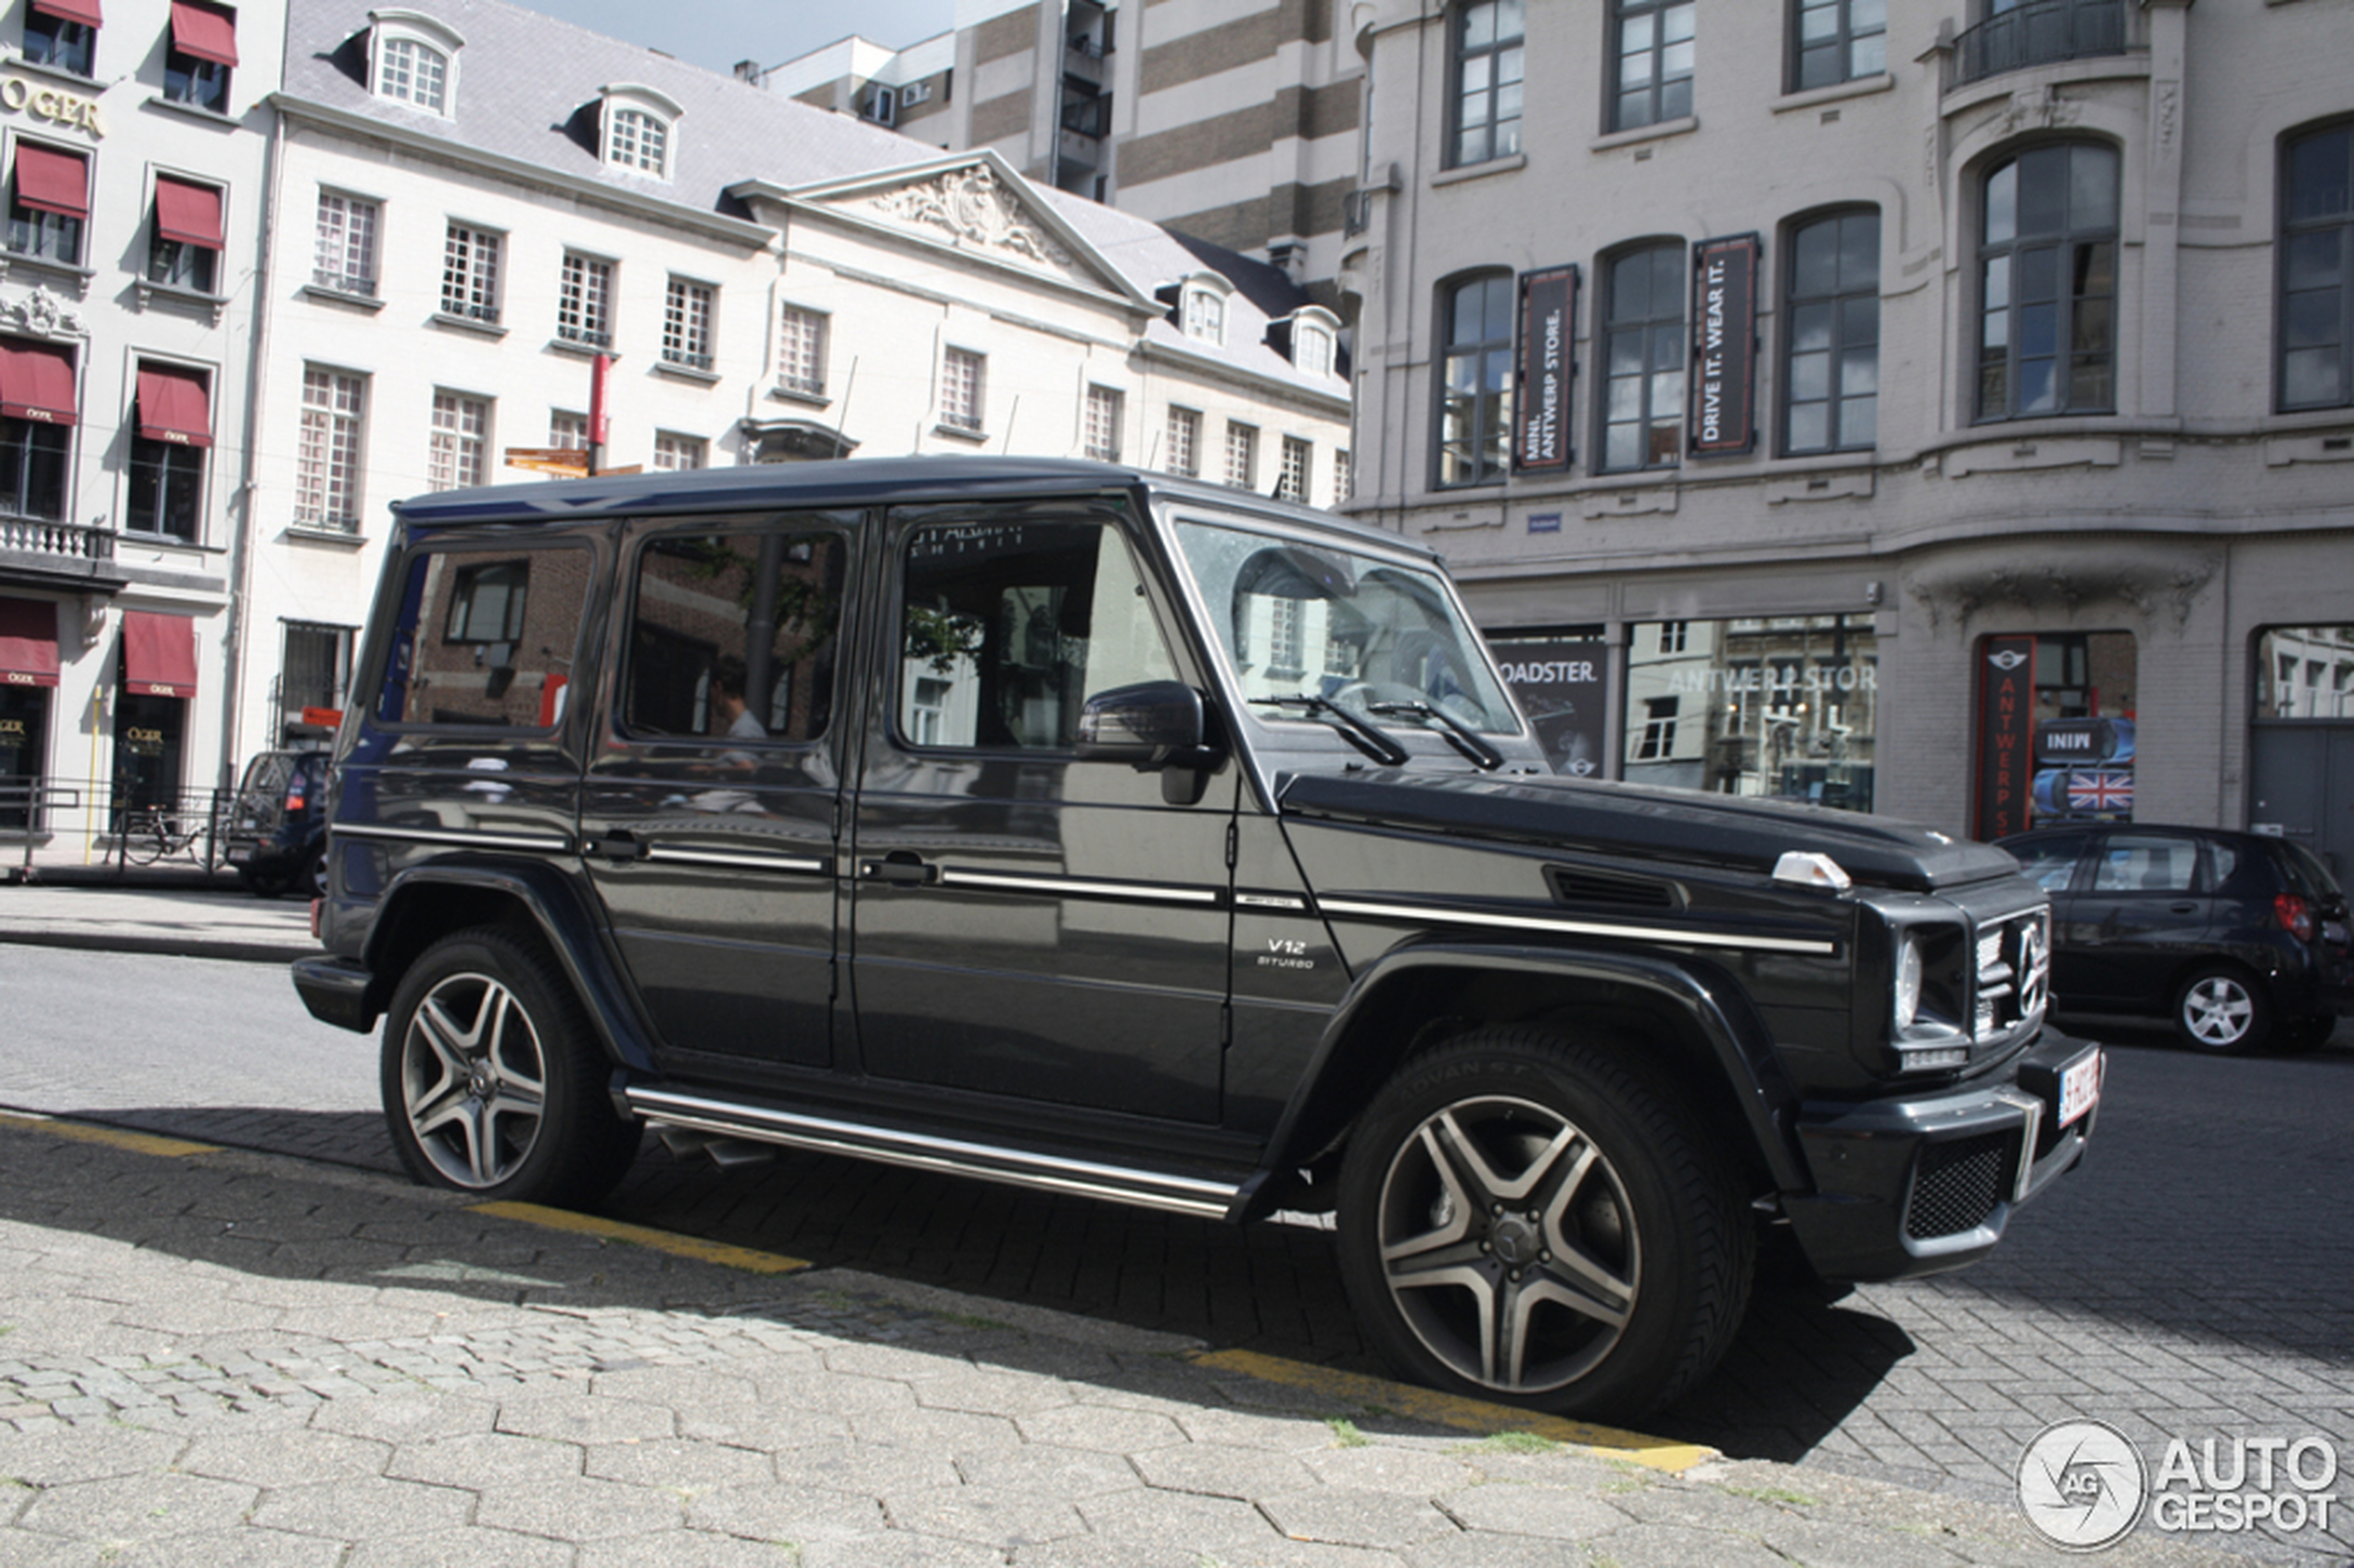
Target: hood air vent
1605	889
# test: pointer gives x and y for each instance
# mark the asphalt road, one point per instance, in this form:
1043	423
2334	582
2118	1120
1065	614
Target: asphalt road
2191	1281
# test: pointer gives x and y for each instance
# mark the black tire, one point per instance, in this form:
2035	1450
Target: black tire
311	880
262	884
2296	1037
2220	1011
493	1082
144	841
1627	1270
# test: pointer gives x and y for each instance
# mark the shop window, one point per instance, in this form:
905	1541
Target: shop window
2047	284
2305	673
1780	707
1474	407
2316	306
734	636
63	34
1644	352
2056	730
1652	48
203	52
486	641
1488	65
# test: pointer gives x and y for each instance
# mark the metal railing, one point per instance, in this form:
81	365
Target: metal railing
2037	33
139	829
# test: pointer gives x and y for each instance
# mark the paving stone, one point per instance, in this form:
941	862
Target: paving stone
1053	1472
1390	1468
489	1459
997	1517
678	1465
578	1508
1214	1526
1110	1431
992	1393
248	1548
286	1457
405	1417
47	1458
462	1548
898	1550
869	1469
1343	1517
764	1427
584	1418
137	1508
935	1429
364	1509
1467	1550
1822	1544
1218	1472
1678	1546
1511	1509
673	1549
784	1513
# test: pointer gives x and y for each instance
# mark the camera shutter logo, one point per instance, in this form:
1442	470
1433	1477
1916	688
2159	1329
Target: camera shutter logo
2081	1486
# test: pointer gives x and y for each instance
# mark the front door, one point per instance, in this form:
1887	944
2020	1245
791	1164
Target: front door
1024	923
708	816
2145	903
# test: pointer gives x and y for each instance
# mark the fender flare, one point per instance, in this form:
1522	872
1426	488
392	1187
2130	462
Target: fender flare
552	901
1719	1015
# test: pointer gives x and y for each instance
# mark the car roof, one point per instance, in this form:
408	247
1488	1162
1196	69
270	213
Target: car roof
851	481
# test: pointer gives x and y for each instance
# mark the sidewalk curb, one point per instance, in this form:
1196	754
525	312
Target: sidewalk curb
175	947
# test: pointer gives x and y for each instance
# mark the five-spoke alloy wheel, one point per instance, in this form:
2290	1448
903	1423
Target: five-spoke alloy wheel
2218	1010
1526	1218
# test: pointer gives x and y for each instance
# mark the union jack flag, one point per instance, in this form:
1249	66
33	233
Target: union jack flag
2100	791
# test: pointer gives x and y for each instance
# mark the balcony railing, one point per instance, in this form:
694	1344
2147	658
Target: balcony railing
41	536
2037	33
1088	117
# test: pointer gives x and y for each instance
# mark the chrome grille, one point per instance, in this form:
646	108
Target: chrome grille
2013	979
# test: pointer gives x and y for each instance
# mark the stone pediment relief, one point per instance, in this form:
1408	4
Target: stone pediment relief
970	209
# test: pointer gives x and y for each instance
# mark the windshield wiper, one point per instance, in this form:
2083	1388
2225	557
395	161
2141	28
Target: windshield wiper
1460	735
1367	737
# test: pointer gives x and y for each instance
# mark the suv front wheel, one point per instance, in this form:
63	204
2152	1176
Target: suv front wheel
492	1081
1521	1218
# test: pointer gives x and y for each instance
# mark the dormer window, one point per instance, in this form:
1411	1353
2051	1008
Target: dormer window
414	60
1315	341
1202	307
637	123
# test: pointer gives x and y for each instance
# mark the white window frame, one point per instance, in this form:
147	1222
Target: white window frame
348	227
1202	306
331	449
690	323
1100	439
475	276
585	299
389	27
964	390
458	454
1242	455
671	447
1315	341
567	431
646	145
1295	466
792	353
1184	442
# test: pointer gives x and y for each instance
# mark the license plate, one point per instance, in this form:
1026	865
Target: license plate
2080	1088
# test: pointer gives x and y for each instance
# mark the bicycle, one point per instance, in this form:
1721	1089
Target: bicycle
150	833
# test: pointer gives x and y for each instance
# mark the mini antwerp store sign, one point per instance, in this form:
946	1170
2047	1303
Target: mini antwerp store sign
1724	418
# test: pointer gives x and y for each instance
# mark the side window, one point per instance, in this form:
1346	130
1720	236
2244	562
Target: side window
1008	628
487	638
2050	863
733	635
2145	863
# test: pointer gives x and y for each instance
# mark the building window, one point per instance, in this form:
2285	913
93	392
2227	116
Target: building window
686	324
1783	707
1344	477
187	234
584	302
677	453
1487	81
1242	455
2317	271
171	427
1657	741
1184	442
460	436
1836	40
1475	409
1291	480
801	352
347	261
1103	423
61	43
315	671
1312	349
414	72
327	466
1644	352
1654	62
637	123
2047	284
33	468
470	273
202	53
568	431
961	374
48	199
1674	637
1831	335
1202	312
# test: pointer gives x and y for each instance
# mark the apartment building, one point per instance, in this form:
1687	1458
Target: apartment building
1943	406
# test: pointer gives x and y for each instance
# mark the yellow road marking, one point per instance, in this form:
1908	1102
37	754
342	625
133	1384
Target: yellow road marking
113	1137
1469	1415
720	1253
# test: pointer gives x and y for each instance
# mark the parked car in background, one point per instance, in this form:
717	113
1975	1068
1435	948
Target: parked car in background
2238	939
277	836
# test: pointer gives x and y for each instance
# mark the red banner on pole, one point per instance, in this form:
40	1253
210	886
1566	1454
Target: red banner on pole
2006	731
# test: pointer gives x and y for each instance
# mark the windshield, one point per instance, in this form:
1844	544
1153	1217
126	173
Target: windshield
1317	620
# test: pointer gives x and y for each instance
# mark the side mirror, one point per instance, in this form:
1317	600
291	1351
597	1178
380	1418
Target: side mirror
1152	725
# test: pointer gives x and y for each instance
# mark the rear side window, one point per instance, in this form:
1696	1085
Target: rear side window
733	635
2147	862
487	638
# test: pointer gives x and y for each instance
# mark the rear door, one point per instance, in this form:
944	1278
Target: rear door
709	815
2144	908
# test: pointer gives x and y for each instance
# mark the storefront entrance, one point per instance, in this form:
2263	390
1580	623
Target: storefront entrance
2301	747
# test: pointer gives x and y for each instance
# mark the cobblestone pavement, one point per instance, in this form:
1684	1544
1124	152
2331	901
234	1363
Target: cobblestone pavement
231	1358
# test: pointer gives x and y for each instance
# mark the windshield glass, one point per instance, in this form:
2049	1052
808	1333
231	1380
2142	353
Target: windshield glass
1356	630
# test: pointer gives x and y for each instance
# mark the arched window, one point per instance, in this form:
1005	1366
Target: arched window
1644	352
1475	399
1830	333
1487	56
2047	284
2316	310
637	124
415	61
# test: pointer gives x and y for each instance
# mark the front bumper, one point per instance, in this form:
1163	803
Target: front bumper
1922	1184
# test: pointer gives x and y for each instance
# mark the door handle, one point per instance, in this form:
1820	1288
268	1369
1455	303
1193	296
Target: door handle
901	869
620	846
2182	909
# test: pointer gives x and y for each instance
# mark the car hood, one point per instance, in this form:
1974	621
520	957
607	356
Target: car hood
1641	822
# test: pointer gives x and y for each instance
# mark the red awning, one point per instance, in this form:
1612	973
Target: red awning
82	11
206	31
159	654
172	406
190	214
36	382
50	181
28	642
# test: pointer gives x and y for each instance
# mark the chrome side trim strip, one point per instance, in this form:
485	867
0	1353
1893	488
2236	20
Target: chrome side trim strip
1269	901
557	842
740	859
1426	915
950	877
1146	1189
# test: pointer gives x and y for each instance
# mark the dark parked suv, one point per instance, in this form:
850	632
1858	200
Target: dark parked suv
1086	829
2238	939
277	837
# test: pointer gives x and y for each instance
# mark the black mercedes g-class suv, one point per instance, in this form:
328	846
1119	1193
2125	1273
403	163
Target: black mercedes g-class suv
1078	827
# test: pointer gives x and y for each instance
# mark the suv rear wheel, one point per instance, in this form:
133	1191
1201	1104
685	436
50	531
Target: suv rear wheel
492	1081
1522	1218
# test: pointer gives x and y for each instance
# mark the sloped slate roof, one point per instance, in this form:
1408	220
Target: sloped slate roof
528	88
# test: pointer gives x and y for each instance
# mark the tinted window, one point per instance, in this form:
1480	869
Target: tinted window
2049	863
2145	863
2315	877
1008	628
734	635
487	640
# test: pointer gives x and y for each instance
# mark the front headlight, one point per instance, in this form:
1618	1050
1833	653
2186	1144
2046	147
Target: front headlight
1908	982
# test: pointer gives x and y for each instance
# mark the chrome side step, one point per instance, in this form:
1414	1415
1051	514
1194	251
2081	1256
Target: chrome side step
667	1109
